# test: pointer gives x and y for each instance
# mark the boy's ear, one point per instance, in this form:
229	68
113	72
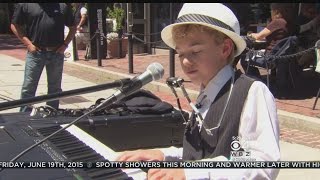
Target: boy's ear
227	47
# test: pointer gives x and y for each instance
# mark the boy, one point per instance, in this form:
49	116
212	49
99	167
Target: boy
233	107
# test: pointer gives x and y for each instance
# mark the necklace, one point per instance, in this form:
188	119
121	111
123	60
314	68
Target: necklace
209	130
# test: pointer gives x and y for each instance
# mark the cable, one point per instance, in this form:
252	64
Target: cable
46	138
178	102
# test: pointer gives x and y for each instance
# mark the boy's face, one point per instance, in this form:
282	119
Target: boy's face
201	57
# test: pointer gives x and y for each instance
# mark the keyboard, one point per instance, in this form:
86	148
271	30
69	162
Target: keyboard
19	131
103	150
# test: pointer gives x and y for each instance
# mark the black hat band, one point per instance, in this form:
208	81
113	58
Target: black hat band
204	19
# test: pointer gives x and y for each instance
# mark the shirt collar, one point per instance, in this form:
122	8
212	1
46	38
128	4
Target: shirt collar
217	82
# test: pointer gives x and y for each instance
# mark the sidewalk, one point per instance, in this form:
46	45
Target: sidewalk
11	75
11	78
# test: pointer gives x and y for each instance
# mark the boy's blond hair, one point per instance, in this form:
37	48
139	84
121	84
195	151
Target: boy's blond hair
181	31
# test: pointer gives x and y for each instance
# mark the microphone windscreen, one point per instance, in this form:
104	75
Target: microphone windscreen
156	70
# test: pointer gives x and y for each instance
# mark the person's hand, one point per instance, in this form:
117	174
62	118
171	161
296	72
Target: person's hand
32	48
251	36
141	155
61	49
79	28
177	174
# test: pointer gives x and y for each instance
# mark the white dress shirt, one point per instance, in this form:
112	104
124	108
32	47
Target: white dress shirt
258	126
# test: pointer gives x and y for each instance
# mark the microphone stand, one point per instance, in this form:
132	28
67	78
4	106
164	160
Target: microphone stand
33	100
155	72
106	103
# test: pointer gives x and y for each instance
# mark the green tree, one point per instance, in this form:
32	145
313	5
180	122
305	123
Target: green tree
117	14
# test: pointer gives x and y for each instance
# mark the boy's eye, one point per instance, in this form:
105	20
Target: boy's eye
196	52
180	55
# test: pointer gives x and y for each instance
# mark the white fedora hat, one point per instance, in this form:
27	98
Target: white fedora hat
213	15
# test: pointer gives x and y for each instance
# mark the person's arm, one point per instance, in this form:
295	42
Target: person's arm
271	27
67	40
17	30
19	19
310	24
84	16
82	20
259	127
70	35
69	22
261	35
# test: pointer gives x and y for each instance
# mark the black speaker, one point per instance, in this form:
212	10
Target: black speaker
138	131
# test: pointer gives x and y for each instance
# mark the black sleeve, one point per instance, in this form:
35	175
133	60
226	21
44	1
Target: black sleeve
69	17
18	14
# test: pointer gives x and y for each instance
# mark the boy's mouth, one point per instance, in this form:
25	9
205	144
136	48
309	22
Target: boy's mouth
192	71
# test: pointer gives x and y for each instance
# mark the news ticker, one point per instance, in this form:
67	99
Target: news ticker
164	164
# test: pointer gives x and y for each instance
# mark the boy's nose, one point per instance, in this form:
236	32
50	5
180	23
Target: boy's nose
188	61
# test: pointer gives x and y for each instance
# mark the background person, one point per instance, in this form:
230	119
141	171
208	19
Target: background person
282	25
309	32
40	26
207	37
81	20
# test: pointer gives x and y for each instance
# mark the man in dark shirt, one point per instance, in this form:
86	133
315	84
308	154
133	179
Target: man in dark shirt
40	26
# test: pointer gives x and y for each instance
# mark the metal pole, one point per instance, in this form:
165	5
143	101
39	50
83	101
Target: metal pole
75	49
38	99
171	52
130	40
130	52
119	43
315	102
98	48
146	24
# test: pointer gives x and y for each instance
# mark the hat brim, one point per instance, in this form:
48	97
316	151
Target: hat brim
166	35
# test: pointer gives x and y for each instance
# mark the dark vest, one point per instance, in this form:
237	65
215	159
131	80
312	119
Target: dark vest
199	145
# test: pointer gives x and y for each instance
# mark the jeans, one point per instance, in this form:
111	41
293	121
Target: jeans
35	62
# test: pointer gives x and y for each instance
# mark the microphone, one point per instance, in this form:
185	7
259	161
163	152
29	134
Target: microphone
154	71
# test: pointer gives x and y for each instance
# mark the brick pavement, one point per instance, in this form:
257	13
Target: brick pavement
300	100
